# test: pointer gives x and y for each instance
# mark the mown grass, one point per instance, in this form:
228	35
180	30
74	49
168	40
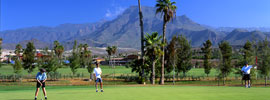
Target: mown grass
107	70
138	93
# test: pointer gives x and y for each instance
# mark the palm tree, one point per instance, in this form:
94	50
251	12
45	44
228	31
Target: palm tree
1	40
109	51
85	47
114	50
142	35
80	48
153	50
87	60
18	50
167	9
58	49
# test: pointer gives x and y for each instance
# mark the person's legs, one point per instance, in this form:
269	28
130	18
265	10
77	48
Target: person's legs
37	90
101	86
246	83
249	83
246	78
44	92
36	94
96	85
249	78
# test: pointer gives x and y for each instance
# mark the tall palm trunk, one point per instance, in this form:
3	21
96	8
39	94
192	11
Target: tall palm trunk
265	81
174	69
109	60
114	69
142	36
153	72
163	50
223	79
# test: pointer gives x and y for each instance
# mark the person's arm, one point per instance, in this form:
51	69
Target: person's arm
100	71
242	70
95	76
39	82
45	78
94	73
38	79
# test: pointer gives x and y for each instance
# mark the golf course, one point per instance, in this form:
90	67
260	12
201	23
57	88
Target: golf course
137	93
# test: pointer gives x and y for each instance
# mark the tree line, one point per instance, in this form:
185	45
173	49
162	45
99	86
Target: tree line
178	55
29	58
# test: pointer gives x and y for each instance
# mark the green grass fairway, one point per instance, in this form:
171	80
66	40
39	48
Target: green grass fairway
138	93
107	70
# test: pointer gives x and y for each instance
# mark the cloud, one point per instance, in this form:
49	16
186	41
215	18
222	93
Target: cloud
114	12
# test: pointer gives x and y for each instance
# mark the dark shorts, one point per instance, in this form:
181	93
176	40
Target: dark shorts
99	80
246	77
38	84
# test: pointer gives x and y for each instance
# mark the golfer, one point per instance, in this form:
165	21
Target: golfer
97	73
246	74
41	79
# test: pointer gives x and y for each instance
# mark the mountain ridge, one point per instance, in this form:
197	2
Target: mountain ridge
124	31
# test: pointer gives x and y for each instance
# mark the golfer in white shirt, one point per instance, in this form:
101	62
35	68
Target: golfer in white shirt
97	73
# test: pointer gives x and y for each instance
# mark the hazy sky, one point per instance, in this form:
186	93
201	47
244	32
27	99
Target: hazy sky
218	13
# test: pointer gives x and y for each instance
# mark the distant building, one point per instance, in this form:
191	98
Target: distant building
6	55
98	59
118	61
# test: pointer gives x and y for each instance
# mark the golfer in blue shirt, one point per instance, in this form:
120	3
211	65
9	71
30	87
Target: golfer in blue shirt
41	79
246	74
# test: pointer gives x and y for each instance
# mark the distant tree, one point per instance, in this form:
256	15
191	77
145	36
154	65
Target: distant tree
50	62
109	51
246	55
58	50
1	40
42	59
170	55
207	51
90	69
18	51
168	11
74	59
87	60
226	67
114	51
153	50
184	55
81	55
137	66
17	67
264	59
216	54
29	57
80	47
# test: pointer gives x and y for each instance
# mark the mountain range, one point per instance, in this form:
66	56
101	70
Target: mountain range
124	31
